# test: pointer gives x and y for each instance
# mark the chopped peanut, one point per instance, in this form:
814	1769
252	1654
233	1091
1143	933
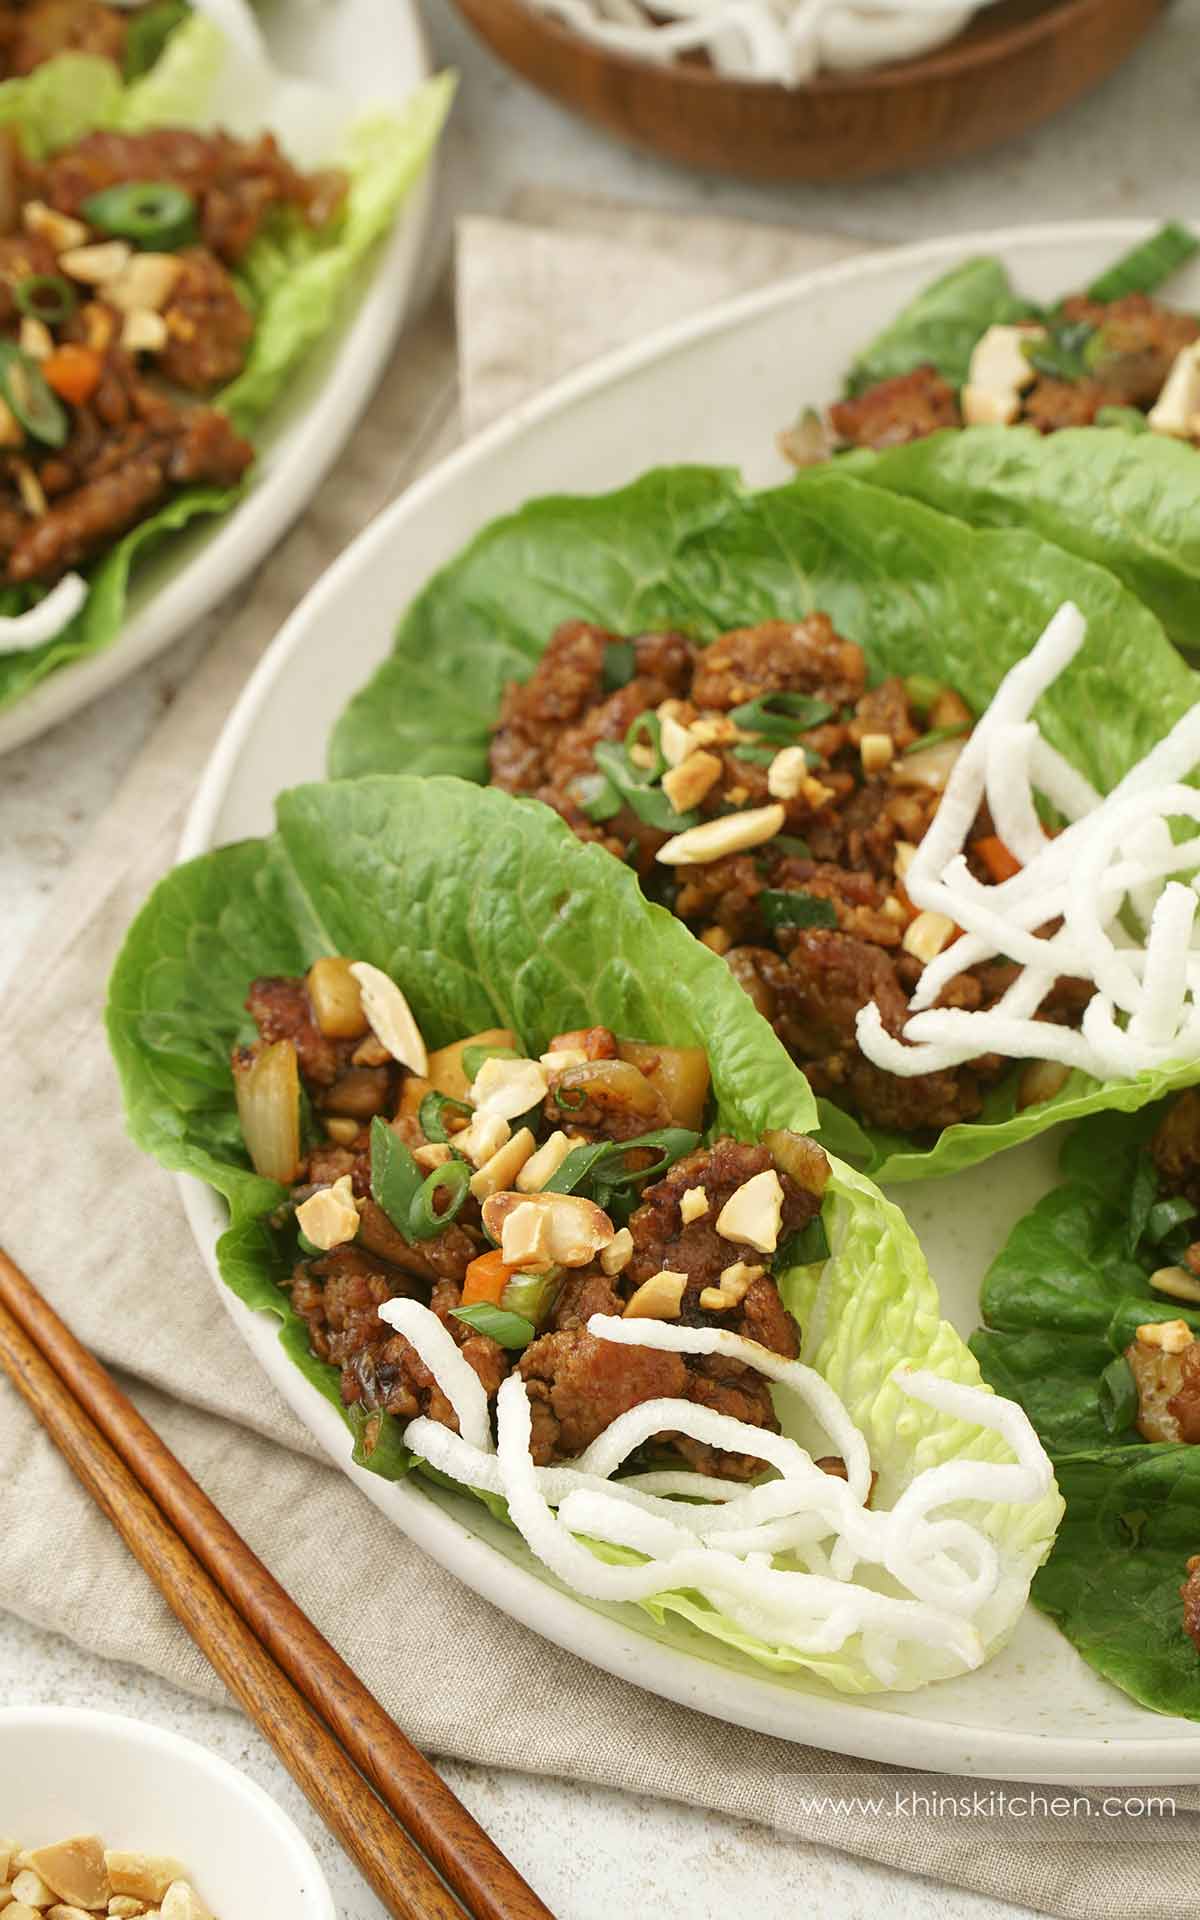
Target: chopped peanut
484	1137
686	785
390	1017
146	1876
693	1205
1177	1283
787	773
58	229
751	1216
329	1217
541	1165
658	1298
677	741
876	751
96	265
74	1870
729	833
925	937
501	1171
432	1156
508	1087
32	1889
540	1230
1171	1336
617	1254
736	1282
717	940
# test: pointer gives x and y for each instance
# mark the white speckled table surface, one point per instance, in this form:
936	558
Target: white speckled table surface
589	1852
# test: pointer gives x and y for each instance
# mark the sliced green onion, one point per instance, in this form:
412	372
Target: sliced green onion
1148	265
1117	1396
148	213
307	1246
646	730
506	1329
781	716
619	665
572	1098
804	1249
531	1295
762	756
474	1057
430	1111
1165	1215
425	1218
37	409
1062	353
793	844
604	1161
45	296
649	803
595	796
396	1179
935	736
781	907
1128	419
922	690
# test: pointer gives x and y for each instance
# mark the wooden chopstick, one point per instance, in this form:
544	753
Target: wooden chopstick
243	1619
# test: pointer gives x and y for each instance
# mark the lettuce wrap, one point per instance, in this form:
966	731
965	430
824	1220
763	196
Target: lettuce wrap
294	279
1062	1302
689	548
487	910
1115	494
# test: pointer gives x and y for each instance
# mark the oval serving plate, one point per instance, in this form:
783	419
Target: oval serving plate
337	43
716	388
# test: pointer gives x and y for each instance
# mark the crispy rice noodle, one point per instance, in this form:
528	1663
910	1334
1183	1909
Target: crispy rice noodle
779	1558
1116	857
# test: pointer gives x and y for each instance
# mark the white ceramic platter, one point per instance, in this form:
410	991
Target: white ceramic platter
715	389
339	43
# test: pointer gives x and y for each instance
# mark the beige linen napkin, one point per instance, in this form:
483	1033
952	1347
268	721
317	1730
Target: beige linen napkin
101	1230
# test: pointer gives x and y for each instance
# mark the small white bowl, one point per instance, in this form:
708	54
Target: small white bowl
65	1771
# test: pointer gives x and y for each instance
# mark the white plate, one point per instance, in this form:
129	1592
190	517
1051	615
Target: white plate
715	389
338	42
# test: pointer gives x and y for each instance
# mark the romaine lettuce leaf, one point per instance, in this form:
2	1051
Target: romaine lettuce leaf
688	547
1129	502
296	279
1061	1303
488	911
942	325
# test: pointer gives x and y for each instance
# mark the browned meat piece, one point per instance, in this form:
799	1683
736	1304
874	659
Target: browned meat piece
32	34
567	686
896	411
403	1384
1175	1147
200	447
578	1386
1190	1595
726	1386
1168	1387
235	182
444	1257
1139	341
280	1009
1050	404
208	329
661	1240
781	656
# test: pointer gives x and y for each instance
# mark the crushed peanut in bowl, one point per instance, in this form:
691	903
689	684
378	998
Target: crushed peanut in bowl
77	1878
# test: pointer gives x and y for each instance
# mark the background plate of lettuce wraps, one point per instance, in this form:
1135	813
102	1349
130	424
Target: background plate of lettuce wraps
329	339
714	390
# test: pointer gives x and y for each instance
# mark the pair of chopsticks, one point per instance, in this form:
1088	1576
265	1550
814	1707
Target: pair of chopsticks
389	1808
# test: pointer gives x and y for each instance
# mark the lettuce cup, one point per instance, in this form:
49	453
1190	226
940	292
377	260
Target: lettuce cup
530	1186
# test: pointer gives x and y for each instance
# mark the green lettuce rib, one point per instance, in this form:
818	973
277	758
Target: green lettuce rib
296	280
488	911
689	548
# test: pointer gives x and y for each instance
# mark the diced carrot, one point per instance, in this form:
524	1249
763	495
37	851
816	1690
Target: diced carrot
996	857
73	372
486	1278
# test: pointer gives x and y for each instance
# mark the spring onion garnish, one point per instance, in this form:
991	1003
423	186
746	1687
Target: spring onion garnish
474	1057
307	1246
509	1330
935	736
154	214
531	1295
804	1249
595	796
781	716
763	756
634	785
396	1179
619	666
922	690
781	908
1148	265
452	1183
572	1098
1065	352
791	843
1117	1395
645	731
37	409
45	296
431	1110
603	1167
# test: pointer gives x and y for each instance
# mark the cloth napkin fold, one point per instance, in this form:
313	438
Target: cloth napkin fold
102	1232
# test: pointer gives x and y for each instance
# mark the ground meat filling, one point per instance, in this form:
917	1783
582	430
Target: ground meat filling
1190	1595
1129	357
845	836
38	30
893	412
578	1384
132	373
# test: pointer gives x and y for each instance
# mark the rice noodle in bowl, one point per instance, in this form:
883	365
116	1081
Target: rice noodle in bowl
1116	863
800	1560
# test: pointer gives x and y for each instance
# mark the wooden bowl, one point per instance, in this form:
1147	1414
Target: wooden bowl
1016	64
